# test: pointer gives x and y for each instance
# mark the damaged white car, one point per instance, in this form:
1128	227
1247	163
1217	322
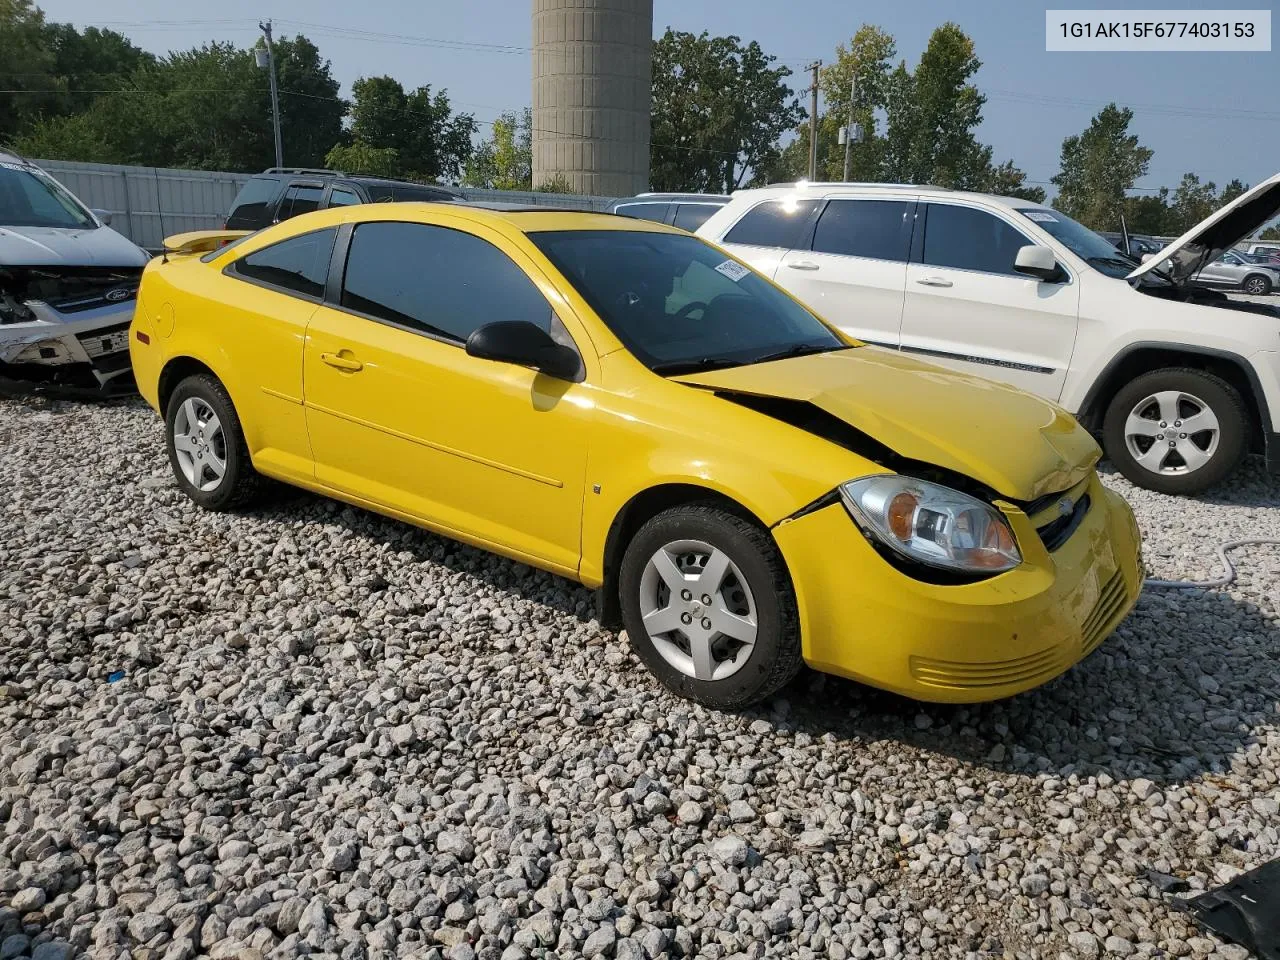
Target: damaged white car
68	283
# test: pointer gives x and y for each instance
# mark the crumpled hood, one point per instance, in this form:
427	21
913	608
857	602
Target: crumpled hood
1017	444
61	247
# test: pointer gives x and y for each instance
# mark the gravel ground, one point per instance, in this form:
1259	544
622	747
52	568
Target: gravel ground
309	730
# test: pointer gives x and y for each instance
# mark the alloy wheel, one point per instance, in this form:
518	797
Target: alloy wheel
1172	432
1255	285
698	610
200	444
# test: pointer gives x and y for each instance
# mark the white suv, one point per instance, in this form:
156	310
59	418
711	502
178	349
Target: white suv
1179	380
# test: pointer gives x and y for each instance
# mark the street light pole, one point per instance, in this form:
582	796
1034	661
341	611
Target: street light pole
813	122
275	98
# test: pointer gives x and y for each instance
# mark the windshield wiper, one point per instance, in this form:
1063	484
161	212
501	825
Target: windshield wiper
673	367
796	350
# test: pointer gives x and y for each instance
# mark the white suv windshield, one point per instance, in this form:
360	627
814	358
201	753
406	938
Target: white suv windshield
1097	251
30	199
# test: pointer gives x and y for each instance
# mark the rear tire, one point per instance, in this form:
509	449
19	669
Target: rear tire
1256	284
701	551
206	446
1150	434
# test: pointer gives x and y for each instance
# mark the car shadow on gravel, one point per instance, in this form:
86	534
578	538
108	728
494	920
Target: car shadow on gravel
1176	693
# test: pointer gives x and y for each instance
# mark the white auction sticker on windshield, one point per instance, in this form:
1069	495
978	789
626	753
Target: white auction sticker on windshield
1039	217
734	271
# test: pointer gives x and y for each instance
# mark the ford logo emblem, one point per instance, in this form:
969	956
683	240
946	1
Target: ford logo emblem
118	294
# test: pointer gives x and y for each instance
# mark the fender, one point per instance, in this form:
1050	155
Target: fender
1270	439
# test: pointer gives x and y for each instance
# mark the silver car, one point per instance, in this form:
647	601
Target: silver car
68	284
1234	271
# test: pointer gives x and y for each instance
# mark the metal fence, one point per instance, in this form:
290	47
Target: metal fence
148	204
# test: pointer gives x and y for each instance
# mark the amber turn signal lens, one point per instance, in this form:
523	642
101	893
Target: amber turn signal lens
901	514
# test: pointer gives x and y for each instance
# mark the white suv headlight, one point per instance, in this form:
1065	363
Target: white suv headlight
932	524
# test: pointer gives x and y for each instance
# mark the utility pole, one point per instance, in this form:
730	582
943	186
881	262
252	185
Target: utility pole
270	66
813	121
848	132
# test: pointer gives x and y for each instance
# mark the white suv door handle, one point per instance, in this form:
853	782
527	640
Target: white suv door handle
934	281
802	265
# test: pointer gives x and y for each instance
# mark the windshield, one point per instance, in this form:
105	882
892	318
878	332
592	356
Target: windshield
679	304
29	198
1098	252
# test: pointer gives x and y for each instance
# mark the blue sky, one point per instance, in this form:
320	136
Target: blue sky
1215	114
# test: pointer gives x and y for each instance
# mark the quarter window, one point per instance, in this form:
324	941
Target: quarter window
970	239
644	211
436	280
342	198
879	229
254	198
690	216
774	223
299	264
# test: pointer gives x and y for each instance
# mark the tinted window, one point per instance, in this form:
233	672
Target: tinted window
690	216
254	198
437	280
644	211
342	198
300	198
403	192
299	264
970	239
774	223
865	228
678	304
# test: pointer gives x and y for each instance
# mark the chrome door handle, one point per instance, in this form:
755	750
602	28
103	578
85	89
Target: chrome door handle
349	364
803	265
934	282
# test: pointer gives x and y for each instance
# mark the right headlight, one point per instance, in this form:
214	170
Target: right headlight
932	524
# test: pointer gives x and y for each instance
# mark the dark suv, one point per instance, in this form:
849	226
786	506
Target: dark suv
280	193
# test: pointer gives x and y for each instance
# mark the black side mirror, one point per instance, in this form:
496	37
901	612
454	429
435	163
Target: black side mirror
526	344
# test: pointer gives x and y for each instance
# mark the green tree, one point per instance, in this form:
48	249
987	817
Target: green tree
932	113
1232	190
1271	233
26	67
1098	166
558	183
1192	202
1148	213
719	108
869	59
311	111
1006	180
505	160
432	142
86	63
359	157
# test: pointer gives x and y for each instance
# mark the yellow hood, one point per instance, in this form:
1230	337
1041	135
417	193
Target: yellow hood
1017	444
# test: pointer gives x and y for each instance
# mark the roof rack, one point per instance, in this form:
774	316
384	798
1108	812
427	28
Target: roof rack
307	170
860	183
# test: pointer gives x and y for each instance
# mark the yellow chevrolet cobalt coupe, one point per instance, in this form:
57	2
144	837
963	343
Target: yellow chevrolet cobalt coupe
627	405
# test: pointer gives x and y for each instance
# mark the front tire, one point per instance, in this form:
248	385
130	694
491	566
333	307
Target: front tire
207	449
1176	431
1256	284
708	606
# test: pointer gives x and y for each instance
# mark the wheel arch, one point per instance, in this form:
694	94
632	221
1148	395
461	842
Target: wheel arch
1257	276
1146	356
642	507
174	372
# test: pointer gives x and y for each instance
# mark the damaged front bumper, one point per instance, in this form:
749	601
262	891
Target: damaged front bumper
84	348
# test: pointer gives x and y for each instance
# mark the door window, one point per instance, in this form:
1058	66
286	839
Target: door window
879	229
435	280
300	198
297	265
774	223
338	197
969	239
690	216
644	211
254	198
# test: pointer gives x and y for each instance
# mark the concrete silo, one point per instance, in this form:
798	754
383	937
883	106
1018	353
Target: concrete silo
591	94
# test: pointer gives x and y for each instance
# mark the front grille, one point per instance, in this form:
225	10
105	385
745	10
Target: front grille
1111	600
980	674
1058	532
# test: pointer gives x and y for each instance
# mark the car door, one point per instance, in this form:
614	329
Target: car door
341	196
768	231
263	302
1227	271
967	308
854	273
399	415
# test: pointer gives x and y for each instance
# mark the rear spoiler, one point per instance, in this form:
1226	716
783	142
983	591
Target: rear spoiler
201	241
